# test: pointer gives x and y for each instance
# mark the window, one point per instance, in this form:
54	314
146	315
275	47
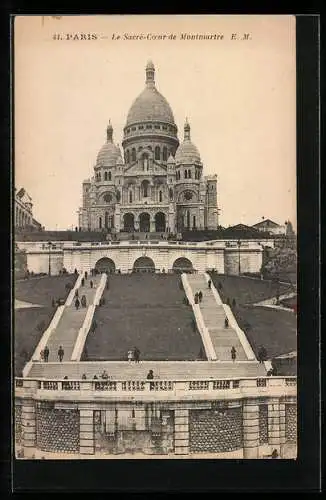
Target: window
99	176
130	196
157	153
109	176
160	196
165	154
107	198
127	156
141	127
133	154
100	222
105	176
157	127
186	174
189	174
188	195
164	127
133	128
148	126
145	162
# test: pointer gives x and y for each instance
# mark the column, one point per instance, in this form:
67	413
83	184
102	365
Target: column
274	423
86	432
181	432
282	429
29	427
250	429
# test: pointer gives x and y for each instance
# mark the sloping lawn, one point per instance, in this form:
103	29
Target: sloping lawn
274	329
144	311
247	290
42	290
30	323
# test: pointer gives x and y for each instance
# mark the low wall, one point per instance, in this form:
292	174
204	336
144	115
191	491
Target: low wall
46	335
72	292
206	339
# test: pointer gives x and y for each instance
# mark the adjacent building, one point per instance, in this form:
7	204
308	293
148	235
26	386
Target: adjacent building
156	184
23	211
269	226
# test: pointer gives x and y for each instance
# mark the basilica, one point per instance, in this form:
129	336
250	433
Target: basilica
157	185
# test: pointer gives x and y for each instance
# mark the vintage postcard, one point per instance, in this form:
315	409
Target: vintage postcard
155	311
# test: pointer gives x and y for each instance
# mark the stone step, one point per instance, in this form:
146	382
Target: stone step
168	370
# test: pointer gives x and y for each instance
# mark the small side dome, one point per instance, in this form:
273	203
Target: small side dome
109	152
187	153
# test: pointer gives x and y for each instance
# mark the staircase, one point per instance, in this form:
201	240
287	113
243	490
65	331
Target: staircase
164	370
214	316
71	321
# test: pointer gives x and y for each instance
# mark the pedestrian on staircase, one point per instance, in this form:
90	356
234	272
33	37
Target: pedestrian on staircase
91	283
200	296
209	283
82	282
76	293
83	301
226	323
77	304
233	353
46	354
86	275
136	354
196	298
60	353
84	376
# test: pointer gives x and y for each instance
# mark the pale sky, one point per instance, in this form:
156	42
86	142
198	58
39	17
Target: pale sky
239	97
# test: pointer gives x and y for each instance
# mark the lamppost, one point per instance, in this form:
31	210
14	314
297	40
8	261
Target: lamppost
49	246
239	256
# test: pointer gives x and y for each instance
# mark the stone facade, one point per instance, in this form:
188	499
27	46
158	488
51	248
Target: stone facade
157	184
57	430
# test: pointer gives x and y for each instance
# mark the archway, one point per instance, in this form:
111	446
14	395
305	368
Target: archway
105	265
182	265
129	222
145	188
144	265
144	222
160	222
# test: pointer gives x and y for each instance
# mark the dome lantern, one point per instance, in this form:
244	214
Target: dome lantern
187	131
109	132
150	74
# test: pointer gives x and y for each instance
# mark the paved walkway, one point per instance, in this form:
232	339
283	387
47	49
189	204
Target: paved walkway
71	321
214	316
164	370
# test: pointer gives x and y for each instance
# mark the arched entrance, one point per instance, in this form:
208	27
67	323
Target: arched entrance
129	222
160	222
144	265
182	265
105	265
144	222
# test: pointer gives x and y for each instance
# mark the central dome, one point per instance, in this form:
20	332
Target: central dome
150	105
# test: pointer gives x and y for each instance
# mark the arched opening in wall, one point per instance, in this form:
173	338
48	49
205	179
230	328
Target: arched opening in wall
100	222
160	196
165	153
133	154
194	222
105	265
160	222
129	222
188	219
144	265
144	222
145	188
130	196
127	156
105	176
157	153
145	161
109	176
182	265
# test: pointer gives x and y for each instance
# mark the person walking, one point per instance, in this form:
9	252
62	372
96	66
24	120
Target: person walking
76	293
200	296
83	301
233	353
60	353
130	356
209	283
226	323
84	376
91	283
77	303
150	375
262	354
136	354
82	282
46	354
42	355
86	275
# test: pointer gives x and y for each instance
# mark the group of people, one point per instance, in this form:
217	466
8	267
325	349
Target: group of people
134	355
198	297
46	351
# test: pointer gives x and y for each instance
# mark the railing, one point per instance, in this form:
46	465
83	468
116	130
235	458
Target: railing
246	387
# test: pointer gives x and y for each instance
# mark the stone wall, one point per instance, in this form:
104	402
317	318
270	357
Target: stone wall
18	422
291	422
263	424
215	431
57	430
